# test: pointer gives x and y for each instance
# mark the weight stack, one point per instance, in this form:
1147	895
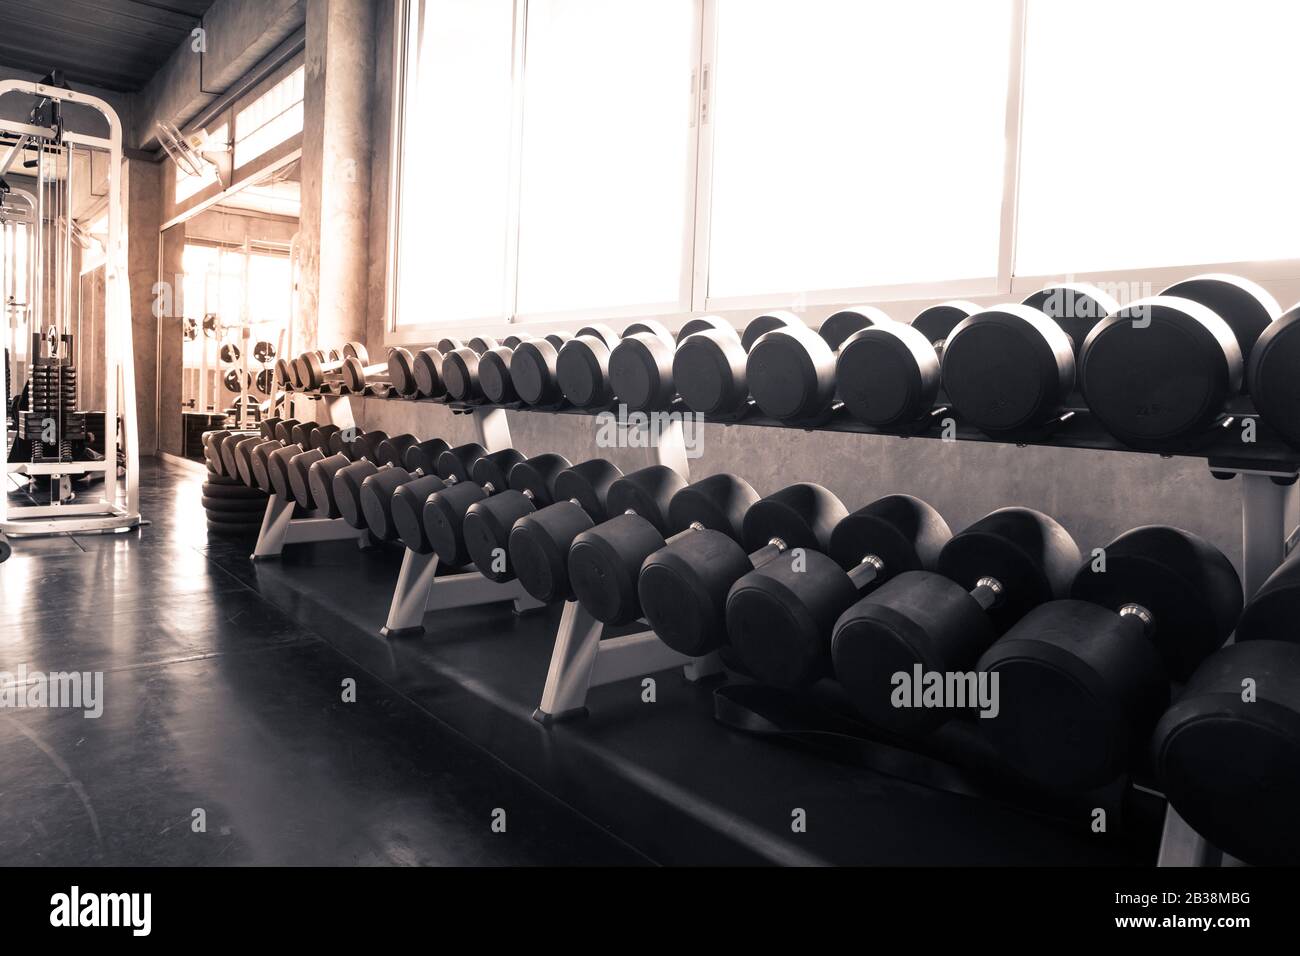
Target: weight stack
52	397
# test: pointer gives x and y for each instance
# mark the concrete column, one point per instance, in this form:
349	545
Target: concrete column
171	345
142	205
333	300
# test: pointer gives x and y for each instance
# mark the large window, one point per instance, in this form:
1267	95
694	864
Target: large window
1158	133
845	154
606	158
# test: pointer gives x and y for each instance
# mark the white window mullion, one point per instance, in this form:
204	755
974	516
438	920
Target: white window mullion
519	64
1011	169
696	291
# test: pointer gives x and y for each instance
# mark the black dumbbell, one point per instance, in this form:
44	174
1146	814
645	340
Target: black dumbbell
243	452
396	488
320	436
461	370
488	522
211	450
683	586
494	377
539	543
401	371
582	366
641	365
379	455
1160	372
473	474
657	506
791	370
312	370
1227	754
709	366
284	374
533	372
426	371
347	447
1010	369
1271	375
888	375
1083	681
780	616
985	579
357	375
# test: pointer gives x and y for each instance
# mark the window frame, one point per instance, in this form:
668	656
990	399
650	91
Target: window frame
694	298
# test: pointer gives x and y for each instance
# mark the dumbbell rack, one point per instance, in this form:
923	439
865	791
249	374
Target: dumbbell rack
583	658
1268	467
419	591
280	527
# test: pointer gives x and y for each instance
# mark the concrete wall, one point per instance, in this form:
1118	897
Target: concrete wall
237	35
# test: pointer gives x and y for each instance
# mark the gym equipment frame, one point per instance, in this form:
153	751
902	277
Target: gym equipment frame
117	507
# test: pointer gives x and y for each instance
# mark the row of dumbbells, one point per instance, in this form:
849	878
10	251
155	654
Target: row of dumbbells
348	369
1159	373
793	588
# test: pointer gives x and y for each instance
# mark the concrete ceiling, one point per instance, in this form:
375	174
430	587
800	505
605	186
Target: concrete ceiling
112	44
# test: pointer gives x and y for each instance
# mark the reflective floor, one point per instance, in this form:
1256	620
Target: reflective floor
224	737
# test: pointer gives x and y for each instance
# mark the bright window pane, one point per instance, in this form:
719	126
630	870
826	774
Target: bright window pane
270	119
607	155
456	173
1158	133
857	144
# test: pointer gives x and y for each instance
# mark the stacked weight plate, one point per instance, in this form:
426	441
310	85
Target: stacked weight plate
231	506
53	398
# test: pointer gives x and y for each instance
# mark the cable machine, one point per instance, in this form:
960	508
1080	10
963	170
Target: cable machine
66	469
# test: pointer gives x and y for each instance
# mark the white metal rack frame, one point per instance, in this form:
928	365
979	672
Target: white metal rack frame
584	658
117	507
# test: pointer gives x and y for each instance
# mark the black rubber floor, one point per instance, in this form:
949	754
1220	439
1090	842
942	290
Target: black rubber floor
216	700
223	693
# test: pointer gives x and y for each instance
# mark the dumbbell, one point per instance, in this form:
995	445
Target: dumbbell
212	442
381	489
582	366
533	371
401	371
299	466
539	543
473	474
1162	370
1271	377
347	447
1227	753
284	374
494	377
683	586
984	580
1083	681
312	370
487	523
460	373
641	365
791	370
888	375
1010	369
780	615
242	454
657	507
356	376
381	457
709	366
321	434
